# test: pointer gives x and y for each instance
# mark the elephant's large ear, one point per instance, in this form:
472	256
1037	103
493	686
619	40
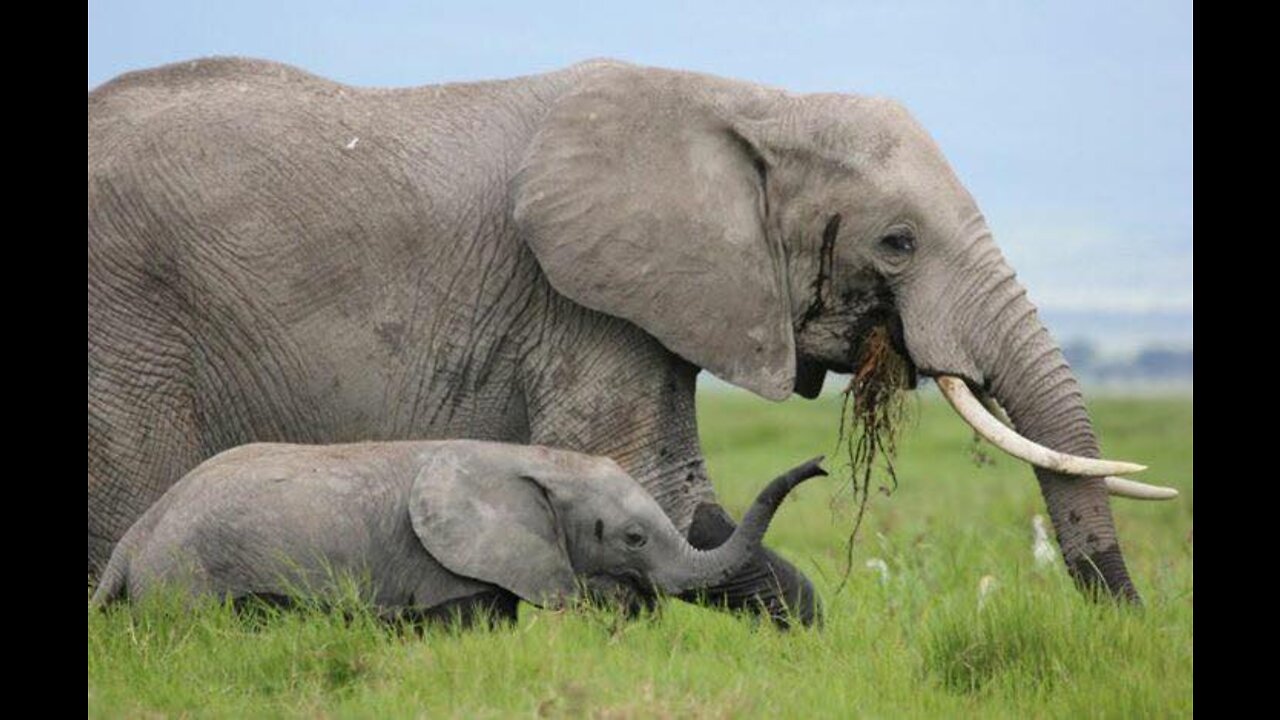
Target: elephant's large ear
489	524
641	199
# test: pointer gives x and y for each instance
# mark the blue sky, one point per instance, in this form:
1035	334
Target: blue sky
1069	121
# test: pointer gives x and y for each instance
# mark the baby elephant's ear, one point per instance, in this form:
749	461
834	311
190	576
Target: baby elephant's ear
488	522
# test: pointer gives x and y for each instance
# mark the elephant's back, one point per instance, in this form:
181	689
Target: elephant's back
371	473
296	198
139	106
218	105
202	71
263	514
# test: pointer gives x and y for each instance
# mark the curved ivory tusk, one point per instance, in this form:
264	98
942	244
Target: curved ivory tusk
994	408
1138	491
1115	485
985	424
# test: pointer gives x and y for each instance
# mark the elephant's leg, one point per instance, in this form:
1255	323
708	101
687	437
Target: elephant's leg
142	438
613	390
183	365
258	608
122	485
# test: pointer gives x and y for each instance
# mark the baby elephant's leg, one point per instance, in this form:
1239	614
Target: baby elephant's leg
497	607
261	606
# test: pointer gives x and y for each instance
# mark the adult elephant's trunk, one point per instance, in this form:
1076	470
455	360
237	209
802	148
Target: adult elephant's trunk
1032	381
999	346
694	569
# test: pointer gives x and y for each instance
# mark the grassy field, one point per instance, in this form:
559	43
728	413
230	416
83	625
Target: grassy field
911	642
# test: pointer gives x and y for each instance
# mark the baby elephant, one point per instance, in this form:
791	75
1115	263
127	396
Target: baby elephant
435	527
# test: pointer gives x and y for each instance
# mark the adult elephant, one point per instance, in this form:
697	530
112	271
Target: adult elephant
549	259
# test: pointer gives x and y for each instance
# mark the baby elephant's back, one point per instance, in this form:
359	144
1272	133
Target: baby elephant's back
272	518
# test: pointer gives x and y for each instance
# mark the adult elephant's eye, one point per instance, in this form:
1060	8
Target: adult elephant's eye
634	539
901	241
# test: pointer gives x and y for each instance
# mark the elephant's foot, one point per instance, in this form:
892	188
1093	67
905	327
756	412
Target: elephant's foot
768	585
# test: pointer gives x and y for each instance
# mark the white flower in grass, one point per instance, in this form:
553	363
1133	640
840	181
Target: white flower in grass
879	566
1041	547
986	586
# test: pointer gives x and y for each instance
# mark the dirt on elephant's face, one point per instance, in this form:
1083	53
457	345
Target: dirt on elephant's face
873	410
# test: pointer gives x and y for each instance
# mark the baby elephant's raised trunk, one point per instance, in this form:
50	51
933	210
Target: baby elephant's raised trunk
697	569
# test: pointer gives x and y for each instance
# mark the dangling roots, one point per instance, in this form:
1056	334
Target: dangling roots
874	407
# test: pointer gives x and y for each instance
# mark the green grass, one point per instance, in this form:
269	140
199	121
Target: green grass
914	645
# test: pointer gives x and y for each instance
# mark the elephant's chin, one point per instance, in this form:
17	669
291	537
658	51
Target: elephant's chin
809	379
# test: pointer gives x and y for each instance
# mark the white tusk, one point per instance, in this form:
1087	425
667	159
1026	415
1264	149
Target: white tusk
994	408
1138	491
1115	485
957	393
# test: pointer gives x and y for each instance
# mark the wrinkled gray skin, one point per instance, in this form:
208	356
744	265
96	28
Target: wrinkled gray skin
547	259
422	526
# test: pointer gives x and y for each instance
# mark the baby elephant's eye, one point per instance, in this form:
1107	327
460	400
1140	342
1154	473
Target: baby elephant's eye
634	539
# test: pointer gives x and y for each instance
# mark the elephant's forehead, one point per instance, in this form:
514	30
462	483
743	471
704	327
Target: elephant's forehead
860	132
633	501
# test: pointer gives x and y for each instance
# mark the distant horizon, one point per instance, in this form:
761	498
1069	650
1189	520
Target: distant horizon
1121	333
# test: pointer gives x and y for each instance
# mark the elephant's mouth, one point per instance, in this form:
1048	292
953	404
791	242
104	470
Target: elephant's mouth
873	409
879	334
624	588
864	342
